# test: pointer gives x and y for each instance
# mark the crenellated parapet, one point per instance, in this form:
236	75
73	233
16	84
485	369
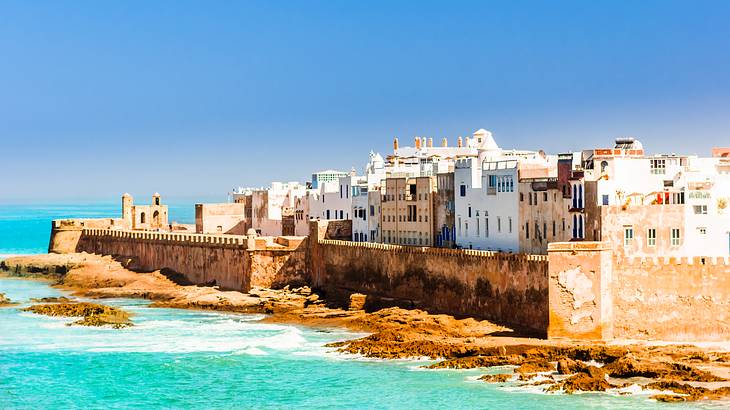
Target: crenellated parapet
426	250
172	237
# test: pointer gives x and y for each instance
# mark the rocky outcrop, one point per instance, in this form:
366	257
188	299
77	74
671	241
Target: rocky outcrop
686	392
496	378
5	301
91	314
51	299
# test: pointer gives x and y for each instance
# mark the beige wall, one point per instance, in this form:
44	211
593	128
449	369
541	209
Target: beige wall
396	226
509	289
229	218
542	208
598	294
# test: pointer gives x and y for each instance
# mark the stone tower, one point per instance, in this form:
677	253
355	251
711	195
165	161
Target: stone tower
156	199
127	210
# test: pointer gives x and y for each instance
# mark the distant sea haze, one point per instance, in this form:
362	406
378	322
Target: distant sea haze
25	228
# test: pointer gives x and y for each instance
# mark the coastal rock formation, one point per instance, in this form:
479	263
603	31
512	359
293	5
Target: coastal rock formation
92	314
51	299
5	301
496	378
686	392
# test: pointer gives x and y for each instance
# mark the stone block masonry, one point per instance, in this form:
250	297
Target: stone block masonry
596	294
510	289
235	262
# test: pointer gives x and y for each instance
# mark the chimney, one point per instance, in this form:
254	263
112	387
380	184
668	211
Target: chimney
423	142
459	142
418	143
395	144
430	142
445	142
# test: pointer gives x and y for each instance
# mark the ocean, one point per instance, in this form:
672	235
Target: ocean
176	358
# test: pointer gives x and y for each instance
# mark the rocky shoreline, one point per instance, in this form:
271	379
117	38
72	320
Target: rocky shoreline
676	373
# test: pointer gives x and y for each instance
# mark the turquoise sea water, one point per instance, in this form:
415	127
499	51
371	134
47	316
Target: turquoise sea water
180	359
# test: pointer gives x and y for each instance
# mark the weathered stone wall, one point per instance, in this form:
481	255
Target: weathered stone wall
677	299
226	261
202	259
509	289
66	233
580	290
598	295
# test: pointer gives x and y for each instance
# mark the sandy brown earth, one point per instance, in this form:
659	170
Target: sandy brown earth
677	373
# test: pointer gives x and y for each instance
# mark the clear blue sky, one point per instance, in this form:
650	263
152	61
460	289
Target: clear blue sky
191	98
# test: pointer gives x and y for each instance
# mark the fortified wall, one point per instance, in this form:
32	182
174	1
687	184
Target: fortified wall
580	290
596	294
235	262
507	288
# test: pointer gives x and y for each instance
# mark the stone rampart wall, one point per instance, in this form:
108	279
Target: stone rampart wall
506	288
595	294
678	299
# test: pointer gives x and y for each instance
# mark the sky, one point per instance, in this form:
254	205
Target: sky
197	97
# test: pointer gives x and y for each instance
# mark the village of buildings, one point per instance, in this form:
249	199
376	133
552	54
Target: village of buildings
471	193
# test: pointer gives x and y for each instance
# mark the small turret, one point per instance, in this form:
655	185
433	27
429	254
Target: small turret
445	142
459	142
395	144
430	142
418	143
156	199
127	206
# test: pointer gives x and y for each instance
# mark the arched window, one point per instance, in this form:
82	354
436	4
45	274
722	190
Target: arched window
604	165
156	218
142	218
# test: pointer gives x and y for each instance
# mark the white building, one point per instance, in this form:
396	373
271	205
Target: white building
656	205
486	196
270	204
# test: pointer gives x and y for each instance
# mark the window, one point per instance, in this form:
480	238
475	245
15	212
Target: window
142	217
700	209
469	212
478	227
527	230
522	197
657	166
563	224
675	237
553	228
462	190
372	210
605	199
509	220
604	165
544	196
544	230
651	237
499	224
486	227
628	235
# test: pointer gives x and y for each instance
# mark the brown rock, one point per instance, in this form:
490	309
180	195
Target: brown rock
92	314
688	392
629	366
4	300
535	366
581	382
357	301
473	362
496	378
567	365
